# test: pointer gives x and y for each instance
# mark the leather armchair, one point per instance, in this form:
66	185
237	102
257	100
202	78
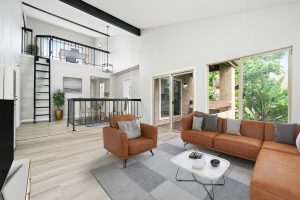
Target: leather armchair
117	143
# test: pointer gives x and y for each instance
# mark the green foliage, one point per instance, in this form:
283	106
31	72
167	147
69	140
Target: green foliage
58	98
213	76
264	97
106	94
32	49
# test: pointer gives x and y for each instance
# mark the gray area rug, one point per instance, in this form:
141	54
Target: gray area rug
153	177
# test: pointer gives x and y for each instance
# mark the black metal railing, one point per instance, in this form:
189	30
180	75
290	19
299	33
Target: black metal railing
89	111
27	41
73	52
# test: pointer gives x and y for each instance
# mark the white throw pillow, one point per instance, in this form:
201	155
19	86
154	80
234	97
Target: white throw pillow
298	142
233	126
131	128
197	123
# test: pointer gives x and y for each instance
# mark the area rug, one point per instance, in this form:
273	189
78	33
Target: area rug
153	177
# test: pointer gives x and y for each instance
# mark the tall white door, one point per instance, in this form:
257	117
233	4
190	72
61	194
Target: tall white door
127	93
127	88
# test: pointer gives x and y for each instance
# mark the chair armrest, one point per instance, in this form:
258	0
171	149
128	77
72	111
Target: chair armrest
150	132
116	142
187	122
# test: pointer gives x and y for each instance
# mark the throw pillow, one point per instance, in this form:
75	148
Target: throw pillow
284	133
131	128
197	123
210	122
233	126
298	142
199	114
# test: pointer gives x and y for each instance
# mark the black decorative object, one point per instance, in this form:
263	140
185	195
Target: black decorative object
196	155
215	162
6	138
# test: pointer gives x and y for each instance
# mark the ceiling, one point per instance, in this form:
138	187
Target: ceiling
141	13
153	13
63	10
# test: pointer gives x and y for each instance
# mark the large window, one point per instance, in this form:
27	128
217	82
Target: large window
254	88
265	87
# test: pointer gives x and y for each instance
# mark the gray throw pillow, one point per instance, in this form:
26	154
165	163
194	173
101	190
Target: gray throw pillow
233	126
131	128
210	122
284	133
298	142
197	123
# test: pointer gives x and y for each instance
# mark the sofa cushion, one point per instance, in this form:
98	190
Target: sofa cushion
276	146
284	133
210	122
270	131
131	128
197	123
298	143
233	126
253	129
276	174
114	120
242	146
203	138
139	144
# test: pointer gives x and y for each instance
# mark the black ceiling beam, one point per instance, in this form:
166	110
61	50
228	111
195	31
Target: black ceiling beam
100	14
31	6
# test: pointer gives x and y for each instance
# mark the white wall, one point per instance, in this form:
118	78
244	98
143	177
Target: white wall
201	42
117	83
59	69
44	28
10	47
10	32
125	51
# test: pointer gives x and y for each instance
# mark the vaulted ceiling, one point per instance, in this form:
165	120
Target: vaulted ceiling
142	13
153	13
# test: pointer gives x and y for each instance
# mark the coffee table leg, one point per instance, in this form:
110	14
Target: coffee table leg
212	196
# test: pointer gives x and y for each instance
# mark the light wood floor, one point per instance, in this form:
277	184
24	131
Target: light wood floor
61	160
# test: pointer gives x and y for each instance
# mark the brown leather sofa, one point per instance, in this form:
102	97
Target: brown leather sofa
276	174
117	143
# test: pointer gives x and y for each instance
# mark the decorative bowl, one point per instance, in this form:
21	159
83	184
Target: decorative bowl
215	162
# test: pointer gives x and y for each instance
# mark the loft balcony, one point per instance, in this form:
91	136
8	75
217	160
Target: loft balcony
57	48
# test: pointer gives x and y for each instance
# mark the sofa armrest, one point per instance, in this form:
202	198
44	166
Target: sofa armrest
187	122
116	142
150	132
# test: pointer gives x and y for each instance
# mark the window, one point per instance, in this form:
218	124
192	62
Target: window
254	88
265	87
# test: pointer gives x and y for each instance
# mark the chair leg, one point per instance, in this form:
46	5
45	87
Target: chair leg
124	163
151	152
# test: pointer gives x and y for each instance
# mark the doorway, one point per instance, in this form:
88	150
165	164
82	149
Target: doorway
173	98
99	87
127	88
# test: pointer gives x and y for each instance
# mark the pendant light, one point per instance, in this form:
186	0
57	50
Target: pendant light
107	67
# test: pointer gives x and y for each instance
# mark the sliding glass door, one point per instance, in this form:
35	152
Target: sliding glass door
173	98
